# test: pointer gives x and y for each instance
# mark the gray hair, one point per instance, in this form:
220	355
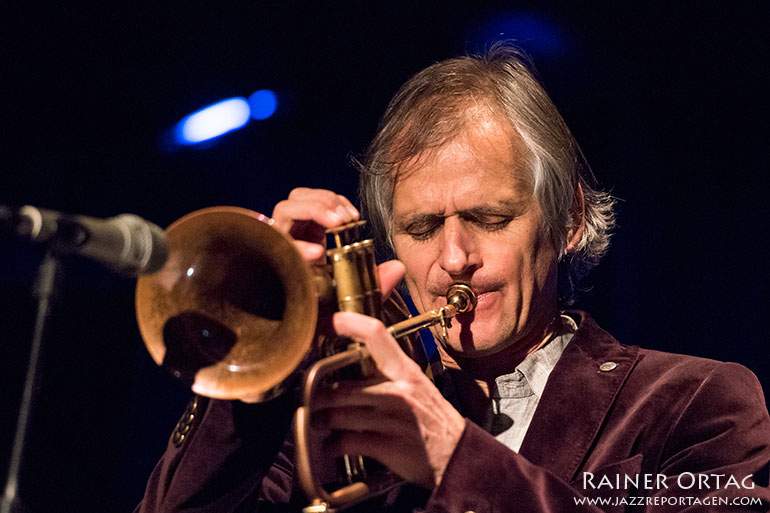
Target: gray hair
430	110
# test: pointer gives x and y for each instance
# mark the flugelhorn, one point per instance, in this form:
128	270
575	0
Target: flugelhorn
235	310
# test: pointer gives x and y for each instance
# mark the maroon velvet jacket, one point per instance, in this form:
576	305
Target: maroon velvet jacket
689	433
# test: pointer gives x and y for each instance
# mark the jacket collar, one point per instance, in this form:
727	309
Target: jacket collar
577	398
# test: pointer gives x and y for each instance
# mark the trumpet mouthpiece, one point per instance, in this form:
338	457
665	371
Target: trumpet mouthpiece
462	296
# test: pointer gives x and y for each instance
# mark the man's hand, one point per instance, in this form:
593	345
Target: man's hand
307	213
402	421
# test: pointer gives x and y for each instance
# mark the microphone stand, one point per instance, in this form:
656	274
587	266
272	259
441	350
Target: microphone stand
43	291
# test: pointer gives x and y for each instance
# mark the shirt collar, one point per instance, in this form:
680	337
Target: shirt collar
532	373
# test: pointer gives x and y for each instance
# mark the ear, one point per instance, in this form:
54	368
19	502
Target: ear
577	212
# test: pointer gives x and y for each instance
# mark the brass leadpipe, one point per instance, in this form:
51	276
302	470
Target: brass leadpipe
460	299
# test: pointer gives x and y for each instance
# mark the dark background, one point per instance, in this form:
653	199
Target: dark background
665	101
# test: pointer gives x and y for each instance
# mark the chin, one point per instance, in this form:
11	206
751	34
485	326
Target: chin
480	340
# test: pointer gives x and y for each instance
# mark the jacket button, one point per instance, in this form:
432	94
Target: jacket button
607	366
185	423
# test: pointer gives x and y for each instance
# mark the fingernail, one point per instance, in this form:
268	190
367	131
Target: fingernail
353	212
342	212
333	216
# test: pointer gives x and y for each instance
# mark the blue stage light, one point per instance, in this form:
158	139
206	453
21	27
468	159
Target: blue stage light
213	121
263	104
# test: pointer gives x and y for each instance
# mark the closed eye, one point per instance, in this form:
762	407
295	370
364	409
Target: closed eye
489	218
424	227
488	222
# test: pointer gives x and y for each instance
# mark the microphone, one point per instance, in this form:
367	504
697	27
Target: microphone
125	243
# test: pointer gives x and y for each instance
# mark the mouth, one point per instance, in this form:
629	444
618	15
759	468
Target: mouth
484	297
486	300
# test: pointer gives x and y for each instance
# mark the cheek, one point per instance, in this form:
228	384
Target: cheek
407	253
529	264
544	256
418	262
541	272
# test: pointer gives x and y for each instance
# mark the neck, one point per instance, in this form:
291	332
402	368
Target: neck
505	361
475	376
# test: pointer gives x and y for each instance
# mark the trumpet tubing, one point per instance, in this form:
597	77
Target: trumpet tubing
234	313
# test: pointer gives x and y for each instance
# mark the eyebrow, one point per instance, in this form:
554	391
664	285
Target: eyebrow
505	207
510	207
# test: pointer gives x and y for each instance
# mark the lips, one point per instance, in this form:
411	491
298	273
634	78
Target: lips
484	296
484	299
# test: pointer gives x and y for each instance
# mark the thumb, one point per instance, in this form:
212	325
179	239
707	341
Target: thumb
390	273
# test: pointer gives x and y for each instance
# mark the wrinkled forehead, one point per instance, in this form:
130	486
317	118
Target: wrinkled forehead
484	141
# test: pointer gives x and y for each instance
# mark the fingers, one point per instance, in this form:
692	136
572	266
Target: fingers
389	358
307	194
402	421
323	207
385	395
406	457
310	251
306	213
359	419
379	446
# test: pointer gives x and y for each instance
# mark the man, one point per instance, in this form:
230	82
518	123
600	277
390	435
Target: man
473	177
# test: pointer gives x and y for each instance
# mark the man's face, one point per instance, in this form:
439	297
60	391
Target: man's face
465	212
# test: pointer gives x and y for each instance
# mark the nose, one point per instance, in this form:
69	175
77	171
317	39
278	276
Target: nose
459	252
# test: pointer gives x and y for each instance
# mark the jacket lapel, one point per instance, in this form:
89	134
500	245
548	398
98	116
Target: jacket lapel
579	393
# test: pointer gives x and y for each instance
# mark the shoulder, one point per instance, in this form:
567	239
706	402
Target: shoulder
661	380
668	403
698	387
659	366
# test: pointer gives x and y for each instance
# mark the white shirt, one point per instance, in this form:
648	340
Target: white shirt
516	395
